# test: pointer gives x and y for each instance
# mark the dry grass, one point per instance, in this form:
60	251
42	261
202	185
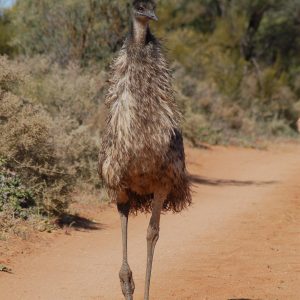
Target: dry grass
48	145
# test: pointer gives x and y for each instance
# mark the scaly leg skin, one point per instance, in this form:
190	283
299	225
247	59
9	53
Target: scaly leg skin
152	238
125	274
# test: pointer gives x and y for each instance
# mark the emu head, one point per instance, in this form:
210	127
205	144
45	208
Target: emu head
144	10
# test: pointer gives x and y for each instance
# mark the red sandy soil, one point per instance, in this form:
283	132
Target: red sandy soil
239	240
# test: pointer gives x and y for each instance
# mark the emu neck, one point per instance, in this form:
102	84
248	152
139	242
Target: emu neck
139	31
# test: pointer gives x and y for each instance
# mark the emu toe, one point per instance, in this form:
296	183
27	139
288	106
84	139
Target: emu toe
127	283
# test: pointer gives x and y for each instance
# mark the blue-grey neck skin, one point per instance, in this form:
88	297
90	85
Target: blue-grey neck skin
140	28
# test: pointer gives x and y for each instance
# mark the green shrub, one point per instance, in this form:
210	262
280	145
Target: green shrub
14	196
70	30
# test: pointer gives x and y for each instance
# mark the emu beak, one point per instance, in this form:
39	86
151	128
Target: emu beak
151	15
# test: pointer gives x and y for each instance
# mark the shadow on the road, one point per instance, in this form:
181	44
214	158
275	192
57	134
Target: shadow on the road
227	182
78	222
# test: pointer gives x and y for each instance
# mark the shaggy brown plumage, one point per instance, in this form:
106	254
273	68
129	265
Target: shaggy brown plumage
142	148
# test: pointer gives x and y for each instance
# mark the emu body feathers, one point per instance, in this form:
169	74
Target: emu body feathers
142	146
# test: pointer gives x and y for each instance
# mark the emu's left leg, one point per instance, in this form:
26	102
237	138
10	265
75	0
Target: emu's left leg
125	274
152	237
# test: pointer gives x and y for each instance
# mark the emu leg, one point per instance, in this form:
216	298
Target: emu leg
152	237
125	274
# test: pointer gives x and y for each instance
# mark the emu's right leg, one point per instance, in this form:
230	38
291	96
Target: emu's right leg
152	237
125	274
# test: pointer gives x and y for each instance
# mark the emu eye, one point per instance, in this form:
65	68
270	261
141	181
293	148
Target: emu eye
140	8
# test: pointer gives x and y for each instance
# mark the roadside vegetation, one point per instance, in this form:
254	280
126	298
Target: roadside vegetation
236	68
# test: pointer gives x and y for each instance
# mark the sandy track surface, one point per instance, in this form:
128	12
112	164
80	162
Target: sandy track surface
240	239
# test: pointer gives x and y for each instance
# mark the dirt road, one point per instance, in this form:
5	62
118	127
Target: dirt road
240	239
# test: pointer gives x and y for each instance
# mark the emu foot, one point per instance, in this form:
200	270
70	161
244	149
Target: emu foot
127	283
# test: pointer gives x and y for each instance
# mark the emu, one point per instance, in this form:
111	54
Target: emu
141	159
